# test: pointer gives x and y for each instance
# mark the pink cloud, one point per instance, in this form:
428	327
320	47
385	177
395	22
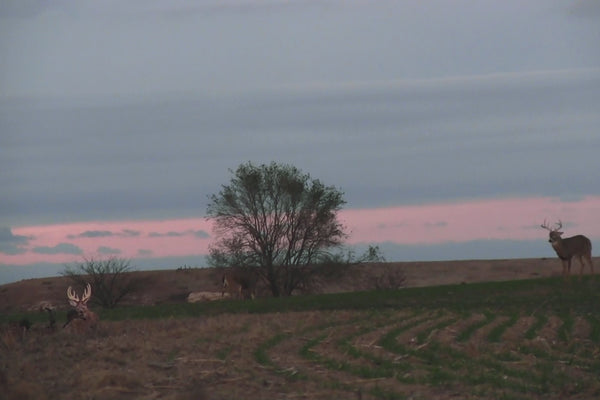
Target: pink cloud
126	239
513	218
516	218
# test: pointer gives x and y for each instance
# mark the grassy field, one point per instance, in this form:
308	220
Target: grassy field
526	339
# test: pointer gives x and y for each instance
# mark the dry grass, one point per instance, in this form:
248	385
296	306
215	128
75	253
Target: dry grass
438	351
380	353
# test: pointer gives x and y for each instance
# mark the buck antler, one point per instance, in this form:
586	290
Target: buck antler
80	313
87	293
71	295
558	226
545	226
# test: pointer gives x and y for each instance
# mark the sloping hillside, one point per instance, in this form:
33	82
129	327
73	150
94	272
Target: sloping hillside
174	285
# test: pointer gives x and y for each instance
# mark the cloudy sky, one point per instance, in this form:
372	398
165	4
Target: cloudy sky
454	128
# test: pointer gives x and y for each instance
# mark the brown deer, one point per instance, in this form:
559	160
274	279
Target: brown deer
238	285
576	246
80	318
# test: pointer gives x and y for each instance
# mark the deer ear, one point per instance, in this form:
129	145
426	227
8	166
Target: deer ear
73	303
560	233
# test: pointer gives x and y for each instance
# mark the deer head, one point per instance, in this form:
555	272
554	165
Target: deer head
80	305
554	233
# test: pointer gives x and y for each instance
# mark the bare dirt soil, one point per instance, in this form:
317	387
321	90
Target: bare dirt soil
399	353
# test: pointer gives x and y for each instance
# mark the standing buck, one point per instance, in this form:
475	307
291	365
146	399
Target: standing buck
238	285
80	318
576	246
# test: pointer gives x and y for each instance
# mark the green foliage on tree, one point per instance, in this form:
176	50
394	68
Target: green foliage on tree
276	220
110	279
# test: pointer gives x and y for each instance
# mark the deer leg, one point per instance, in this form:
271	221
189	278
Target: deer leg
566	264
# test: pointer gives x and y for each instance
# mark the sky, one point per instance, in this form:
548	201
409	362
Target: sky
454	128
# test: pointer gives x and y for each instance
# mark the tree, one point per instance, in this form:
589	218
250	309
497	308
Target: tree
276	220
109	279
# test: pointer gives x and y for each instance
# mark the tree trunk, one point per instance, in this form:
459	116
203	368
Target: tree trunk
272	280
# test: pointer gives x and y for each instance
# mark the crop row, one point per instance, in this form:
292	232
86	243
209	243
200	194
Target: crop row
401	354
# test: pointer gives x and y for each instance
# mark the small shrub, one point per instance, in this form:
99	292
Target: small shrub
110	279
389	279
